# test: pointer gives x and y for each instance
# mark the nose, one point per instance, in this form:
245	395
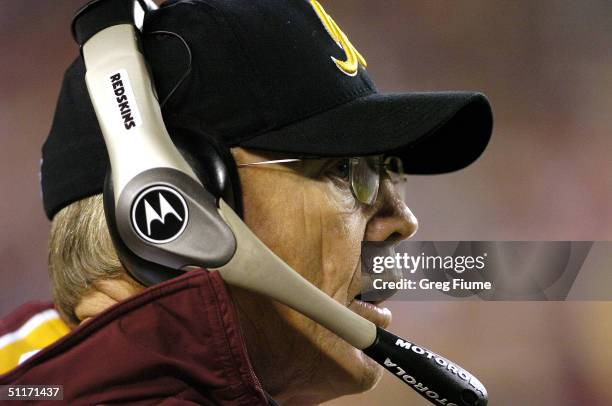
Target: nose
392	220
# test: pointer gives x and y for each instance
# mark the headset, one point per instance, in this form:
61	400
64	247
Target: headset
197	220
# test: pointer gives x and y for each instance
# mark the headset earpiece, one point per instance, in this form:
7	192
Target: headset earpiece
146	272
214	166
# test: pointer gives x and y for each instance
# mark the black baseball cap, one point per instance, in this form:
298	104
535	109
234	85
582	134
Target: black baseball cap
272	75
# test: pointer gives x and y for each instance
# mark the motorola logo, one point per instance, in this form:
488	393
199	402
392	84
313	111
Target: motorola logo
159	214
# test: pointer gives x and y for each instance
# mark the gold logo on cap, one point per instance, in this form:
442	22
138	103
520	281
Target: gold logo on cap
353	57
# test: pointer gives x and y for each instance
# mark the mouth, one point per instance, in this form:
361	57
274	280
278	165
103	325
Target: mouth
381	316
371	309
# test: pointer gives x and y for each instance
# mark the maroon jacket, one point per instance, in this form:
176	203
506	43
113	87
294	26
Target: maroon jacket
178	342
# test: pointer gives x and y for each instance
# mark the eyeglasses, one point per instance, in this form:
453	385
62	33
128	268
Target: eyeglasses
362	173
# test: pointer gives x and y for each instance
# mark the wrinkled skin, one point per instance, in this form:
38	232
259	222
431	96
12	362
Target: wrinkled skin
308	216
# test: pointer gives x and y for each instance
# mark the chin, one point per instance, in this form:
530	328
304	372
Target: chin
353	372
366	373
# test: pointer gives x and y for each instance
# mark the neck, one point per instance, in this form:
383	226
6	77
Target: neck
104	294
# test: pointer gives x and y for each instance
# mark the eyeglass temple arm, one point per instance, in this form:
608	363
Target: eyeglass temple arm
276	161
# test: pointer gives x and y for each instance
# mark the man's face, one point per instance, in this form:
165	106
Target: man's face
306	213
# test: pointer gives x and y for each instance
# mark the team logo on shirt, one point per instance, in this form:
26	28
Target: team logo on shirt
353	57
159	214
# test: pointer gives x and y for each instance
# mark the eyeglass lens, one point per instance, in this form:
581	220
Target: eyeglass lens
365	177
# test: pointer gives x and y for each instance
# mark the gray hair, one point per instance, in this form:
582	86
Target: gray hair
81	253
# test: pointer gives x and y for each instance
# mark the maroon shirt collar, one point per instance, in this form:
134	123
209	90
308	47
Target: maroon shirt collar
177	340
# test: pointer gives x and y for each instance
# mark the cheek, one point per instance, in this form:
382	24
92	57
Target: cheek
343	230
279	210
309	224
341	245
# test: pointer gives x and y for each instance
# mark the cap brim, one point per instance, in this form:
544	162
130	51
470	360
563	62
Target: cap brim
433	132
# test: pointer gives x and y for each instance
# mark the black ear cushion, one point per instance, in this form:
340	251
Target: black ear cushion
212	162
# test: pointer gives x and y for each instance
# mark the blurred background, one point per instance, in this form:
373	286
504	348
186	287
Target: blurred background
546	67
